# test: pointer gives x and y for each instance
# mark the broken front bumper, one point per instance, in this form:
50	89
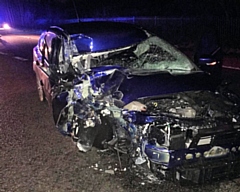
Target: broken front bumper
207	171
210	157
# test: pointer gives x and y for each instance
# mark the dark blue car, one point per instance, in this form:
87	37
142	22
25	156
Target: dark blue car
116	85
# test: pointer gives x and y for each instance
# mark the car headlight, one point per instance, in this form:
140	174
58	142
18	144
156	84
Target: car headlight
6	26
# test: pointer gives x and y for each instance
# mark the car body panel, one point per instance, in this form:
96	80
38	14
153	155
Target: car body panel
164	83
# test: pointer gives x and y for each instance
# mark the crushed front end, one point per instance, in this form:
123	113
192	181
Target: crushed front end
190	137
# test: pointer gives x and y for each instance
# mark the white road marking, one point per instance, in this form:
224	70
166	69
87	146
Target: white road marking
2	53
229	67
21	58
18	58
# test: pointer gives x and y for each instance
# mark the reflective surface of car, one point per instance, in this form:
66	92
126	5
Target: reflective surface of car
115	85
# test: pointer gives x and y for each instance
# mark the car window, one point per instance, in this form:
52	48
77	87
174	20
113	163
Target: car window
157	54
151	55
56	51
81	43
50	44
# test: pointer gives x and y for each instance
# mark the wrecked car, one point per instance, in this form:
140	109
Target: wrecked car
116	85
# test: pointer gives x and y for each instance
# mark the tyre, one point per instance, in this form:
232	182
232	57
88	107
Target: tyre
104	133
58	103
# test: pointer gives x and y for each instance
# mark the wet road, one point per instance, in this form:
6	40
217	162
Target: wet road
35	157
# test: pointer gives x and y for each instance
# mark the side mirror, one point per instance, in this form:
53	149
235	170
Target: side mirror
211	59
211	65
207	60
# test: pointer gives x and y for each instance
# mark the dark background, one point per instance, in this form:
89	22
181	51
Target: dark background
19	11
178	21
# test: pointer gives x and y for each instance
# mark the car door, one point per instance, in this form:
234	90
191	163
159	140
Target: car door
46	55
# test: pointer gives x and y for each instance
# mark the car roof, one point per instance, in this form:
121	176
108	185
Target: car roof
107	35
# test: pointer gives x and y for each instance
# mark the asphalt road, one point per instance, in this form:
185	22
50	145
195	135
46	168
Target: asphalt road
34	157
